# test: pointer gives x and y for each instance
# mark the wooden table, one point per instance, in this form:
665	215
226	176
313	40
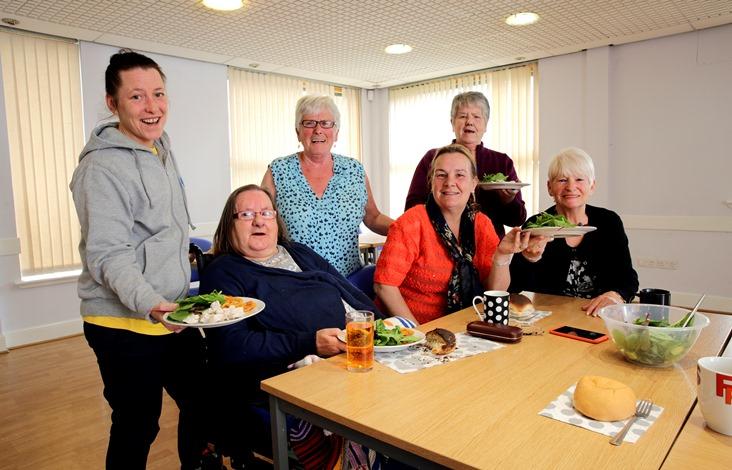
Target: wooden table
482	411
699	447
370	246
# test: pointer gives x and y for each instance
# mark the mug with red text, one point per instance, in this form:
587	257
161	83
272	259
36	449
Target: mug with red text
714	389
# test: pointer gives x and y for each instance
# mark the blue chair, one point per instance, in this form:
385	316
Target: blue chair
197	248
202	243
364	280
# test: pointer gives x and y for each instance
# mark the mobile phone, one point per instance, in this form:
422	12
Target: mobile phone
579	334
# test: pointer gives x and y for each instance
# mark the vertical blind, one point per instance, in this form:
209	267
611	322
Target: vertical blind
419	120
42	87
262	120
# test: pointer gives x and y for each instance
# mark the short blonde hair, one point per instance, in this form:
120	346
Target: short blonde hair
571	161
312	104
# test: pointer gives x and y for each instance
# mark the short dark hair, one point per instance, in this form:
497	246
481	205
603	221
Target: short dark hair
222	239
126	59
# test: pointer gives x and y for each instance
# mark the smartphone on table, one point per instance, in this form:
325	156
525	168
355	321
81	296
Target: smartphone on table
579	334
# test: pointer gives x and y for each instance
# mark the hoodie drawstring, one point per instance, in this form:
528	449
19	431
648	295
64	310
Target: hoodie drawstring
182	188
142	179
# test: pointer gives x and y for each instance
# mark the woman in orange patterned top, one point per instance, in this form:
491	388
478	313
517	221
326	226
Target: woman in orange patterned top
440	254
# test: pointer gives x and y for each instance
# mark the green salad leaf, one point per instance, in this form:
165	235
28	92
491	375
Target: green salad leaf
195	303
663	323
384	336
548	220
654	346
494	178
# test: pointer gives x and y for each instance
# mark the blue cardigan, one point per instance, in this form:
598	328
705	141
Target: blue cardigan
297	305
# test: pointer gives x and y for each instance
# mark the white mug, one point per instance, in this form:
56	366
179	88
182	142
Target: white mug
714	389
495	306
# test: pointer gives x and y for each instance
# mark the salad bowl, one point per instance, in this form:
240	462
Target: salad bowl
652	334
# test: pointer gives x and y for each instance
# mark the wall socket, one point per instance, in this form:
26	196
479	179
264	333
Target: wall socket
657	263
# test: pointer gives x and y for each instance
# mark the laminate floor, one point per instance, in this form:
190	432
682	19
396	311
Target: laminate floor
53	414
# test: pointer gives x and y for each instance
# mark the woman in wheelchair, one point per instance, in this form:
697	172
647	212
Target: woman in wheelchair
306	300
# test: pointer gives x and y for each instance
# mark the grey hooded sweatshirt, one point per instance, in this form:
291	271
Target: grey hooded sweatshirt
134	226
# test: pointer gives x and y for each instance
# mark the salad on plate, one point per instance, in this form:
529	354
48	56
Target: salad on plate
214	309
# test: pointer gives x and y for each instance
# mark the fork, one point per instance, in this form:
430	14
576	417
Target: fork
642	410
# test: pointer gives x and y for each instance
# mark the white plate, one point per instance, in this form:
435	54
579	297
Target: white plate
258	307
503	185
384	349
560	232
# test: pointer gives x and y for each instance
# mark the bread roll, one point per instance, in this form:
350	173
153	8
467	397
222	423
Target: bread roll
440	341
519	304
604	399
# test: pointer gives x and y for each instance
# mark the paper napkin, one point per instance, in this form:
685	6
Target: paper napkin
561	409
419	356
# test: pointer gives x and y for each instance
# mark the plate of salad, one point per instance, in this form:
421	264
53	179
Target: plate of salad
499	181
556	226
213	310
389	337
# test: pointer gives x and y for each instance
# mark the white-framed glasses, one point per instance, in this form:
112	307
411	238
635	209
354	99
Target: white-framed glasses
312	124
250	215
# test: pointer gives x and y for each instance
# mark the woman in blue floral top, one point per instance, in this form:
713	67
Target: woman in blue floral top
323	197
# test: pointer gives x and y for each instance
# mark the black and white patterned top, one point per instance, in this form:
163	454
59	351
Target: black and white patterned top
580	277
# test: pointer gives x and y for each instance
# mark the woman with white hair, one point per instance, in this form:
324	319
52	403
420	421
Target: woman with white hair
595	265
323	197
469	116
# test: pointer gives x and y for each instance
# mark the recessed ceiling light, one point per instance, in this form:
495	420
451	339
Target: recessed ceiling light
522	19
223	5
398	49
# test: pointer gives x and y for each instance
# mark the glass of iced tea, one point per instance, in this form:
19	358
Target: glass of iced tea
359	340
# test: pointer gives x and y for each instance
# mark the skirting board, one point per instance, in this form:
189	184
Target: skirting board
38	334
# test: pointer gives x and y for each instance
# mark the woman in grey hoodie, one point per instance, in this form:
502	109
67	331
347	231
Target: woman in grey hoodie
134	249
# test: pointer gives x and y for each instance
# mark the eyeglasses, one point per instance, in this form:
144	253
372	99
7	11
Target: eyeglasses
312	124
250	215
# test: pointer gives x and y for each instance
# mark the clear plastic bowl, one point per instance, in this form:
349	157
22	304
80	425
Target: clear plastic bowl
649	345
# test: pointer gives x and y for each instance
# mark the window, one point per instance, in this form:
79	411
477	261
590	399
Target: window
262	120
42	87
419	119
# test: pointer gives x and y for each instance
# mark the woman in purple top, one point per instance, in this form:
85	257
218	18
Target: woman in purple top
469	118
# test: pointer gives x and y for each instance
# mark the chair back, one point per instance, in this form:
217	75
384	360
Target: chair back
364	280
203	244
196	250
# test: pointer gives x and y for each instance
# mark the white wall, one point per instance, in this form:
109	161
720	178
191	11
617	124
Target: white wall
198	127
657	118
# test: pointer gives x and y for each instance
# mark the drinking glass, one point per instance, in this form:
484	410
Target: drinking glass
359	340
